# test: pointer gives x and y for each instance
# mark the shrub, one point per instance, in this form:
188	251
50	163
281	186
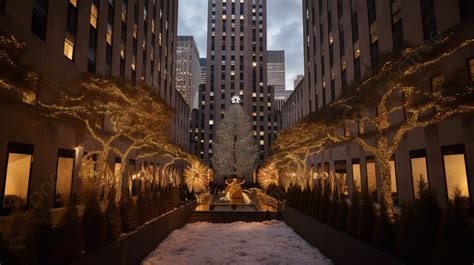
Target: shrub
128	213
68	238
332	218
157	211
428	216
142	207
383	236
353	217
405	245
342	214
275	192
94	223
112	216
367	218
454	244
325	205
7	256
310	204
317	203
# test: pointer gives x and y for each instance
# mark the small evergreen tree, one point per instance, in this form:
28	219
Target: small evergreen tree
332	218
352	225
310	204
142	207
317	203
325	205
342	214
112	216
274	191
455	238
428	216
68	241
405	245
94	223
128	213
383	236
367	218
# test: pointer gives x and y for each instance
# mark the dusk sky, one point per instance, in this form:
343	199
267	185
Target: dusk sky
285	30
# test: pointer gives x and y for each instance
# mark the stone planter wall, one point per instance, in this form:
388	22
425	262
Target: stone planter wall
337	246
134	247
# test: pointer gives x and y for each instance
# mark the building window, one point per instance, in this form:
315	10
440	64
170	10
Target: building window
39	18
393	180
428	16
71	29
371	11
2	5
470	63
419	170
64	177
371	177
397	24
455	170
19	162
69	48
356	175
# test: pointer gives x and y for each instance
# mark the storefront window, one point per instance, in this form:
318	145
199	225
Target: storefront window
356	175
419	170
64	176
19	161
371	178
455	170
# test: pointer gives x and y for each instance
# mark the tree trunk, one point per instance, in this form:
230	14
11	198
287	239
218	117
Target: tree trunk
386	185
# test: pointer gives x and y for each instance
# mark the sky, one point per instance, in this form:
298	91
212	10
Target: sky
284	32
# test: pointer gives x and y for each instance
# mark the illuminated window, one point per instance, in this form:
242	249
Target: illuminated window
455	171
356	175
371	177
64	176
69	48
19	161
393	174
109	34
39	18
94	14
419	170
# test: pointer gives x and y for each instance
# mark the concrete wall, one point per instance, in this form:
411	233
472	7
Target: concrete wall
338	247
136	246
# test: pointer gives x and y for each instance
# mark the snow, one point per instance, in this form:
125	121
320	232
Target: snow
271	242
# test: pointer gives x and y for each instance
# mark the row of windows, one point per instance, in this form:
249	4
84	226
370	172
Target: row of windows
454	166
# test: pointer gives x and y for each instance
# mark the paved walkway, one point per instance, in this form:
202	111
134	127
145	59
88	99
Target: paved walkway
236	243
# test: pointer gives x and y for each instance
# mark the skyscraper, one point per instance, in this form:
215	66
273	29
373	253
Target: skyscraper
276	76
343	43
236	66
203	64
188	69
126	39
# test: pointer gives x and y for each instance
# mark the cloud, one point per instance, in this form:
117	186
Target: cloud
284	30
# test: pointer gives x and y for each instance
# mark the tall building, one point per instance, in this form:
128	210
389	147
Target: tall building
343	42
236	66
130	39
297	80
203	64
276	76
188	69
292	109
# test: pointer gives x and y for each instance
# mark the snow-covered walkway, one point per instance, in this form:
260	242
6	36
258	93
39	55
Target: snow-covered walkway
237	243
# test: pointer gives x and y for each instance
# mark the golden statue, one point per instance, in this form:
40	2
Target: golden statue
233	189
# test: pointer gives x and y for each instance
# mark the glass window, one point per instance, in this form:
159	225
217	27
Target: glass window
39	18
419	170
356	176
471	68
94	15
19	160
64	177
68	48
455	170
371	178
393	174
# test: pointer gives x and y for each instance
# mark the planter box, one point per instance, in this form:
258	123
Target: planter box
137	245
337	246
